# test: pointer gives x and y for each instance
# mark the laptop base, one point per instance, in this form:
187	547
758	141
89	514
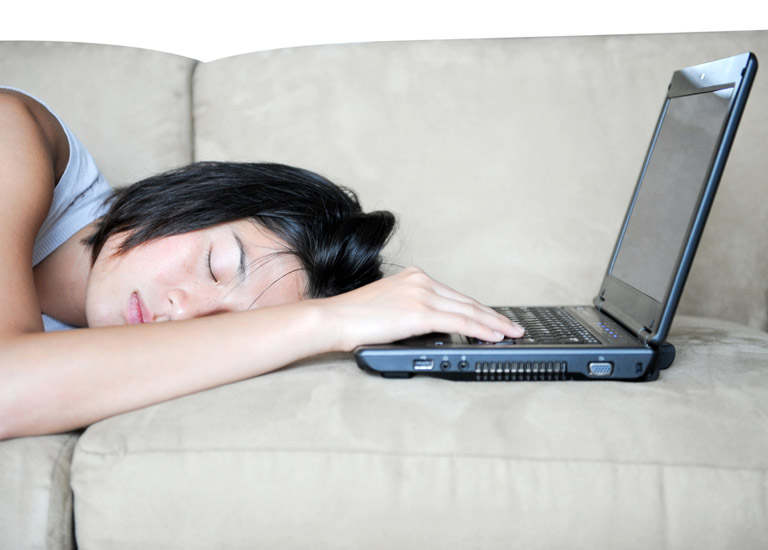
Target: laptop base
552	371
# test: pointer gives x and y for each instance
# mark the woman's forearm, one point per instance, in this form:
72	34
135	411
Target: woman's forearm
53	382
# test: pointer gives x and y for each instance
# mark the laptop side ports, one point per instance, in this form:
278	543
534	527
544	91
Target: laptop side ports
600	368
423	364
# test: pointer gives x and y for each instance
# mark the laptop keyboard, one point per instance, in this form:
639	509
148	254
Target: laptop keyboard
547	325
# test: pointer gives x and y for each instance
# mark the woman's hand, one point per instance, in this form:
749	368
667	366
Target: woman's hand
408	304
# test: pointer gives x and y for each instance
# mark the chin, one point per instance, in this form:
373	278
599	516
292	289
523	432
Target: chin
97	319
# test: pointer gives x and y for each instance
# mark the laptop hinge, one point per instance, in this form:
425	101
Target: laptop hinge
599	301
643	335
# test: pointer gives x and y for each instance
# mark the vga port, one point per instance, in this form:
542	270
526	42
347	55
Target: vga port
600	368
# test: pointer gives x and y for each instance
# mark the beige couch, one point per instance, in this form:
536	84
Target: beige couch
509	163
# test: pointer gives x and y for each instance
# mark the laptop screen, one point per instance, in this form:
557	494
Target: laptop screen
673	196
677	168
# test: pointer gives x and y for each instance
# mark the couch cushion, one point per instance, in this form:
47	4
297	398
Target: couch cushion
133	129
509	162
130	107
36	502
323	455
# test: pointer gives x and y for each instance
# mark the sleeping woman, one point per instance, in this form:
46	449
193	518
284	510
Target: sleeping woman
258	265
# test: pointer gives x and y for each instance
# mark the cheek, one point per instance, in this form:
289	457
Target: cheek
99	311
150	268
106	287
168	259
101	294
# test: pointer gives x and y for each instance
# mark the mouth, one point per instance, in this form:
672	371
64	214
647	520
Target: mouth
137	311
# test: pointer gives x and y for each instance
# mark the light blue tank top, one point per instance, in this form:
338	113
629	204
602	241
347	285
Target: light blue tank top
78	199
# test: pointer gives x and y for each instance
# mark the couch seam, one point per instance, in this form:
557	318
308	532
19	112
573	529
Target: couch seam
66	450
192	118
461	456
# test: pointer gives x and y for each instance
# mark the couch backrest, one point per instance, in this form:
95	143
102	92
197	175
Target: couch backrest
131	107
509	162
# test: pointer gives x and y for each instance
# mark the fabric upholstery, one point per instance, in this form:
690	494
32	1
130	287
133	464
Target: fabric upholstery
36	502
322	455
130	107
510	163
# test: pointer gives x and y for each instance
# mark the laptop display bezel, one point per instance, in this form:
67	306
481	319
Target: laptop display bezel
641	314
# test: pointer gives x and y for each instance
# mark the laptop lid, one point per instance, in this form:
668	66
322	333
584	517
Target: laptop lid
673	196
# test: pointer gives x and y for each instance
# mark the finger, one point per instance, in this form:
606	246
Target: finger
481	315
474	328
441	297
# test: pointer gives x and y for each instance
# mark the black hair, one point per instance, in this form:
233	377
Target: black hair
338	245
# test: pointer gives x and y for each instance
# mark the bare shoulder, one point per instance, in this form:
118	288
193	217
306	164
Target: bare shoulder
29	147
23	109
28	159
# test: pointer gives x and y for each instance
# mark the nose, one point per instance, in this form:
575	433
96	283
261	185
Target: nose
189	305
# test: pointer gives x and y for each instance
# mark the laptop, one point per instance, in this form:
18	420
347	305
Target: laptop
622	334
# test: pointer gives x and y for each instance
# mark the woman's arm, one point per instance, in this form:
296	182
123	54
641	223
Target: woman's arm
28	162
52	382
59	381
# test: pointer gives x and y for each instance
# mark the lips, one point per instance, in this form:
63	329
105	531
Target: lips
137	311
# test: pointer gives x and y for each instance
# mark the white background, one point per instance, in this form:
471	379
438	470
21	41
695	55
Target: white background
219	28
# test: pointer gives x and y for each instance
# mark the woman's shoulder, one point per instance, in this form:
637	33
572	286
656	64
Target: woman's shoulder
27	113
26	185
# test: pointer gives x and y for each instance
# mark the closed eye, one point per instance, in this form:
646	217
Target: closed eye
210	268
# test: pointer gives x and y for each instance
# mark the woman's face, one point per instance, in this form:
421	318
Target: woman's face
229	267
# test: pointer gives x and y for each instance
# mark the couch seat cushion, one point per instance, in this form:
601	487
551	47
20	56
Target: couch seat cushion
322	455
36	501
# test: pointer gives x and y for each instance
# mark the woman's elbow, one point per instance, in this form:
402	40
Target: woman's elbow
14	407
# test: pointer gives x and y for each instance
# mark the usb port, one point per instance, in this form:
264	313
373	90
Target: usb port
423	364
600	368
